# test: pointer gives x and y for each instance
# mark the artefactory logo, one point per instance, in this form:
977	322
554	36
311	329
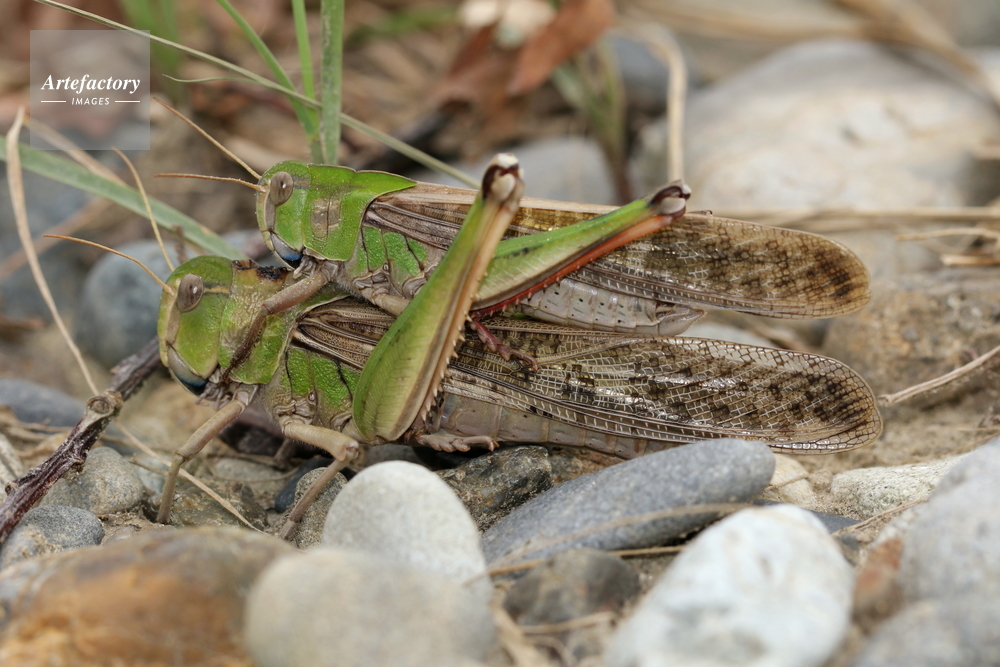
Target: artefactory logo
92	86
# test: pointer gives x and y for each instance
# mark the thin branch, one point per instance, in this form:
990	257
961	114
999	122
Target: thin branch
24	492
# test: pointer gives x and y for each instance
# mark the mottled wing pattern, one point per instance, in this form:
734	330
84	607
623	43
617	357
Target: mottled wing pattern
700	260
655	388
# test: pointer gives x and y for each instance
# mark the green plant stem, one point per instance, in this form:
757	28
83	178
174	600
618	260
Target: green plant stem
332	17
307	117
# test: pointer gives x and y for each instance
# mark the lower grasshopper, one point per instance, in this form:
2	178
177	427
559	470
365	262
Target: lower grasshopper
620	394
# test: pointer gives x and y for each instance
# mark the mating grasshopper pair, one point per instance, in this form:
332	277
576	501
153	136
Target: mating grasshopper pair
299	343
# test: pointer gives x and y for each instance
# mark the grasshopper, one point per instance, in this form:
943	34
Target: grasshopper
378	236
399	381
335	373
620	394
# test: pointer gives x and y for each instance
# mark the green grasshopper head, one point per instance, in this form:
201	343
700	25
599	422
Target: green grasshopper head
316	209
191	319
282	203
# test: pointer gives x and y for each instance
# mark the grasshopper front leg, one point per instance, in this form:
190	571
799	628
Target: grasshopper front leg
211	428
405	369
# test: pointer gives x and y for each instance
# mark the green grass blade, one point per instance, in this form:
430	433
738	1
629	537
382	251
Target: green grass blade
307	117
332	17
305	52
69	173
353	123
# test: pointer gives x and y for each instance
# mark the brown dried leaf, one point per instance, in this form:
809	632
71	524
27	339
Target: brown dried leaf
575	27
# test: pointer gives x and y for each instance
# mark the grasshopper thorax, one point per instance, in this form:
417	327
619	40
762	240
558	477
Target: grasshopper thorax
316	209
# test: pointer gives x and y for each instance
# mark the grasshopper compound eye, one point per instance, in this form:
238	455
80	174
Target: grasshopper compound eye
280	188
189	292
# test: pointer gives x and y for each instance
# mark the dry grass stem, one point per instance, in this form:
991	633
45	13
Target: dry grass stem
91	211
149	210
979	363
16	182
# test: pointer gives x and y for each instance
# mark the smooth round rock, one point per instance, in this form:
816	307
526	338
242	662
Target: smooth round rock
120	303
162	597
865	492
108	484
835	123
404	512
494	484
937	633
711	471
48	203
310	530
952	546
286	496
790	484
981	463
765	586
34	403
344	608
50	529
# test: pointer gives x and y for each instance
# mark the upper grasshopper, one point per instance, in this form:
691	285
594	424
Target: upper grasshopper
378	236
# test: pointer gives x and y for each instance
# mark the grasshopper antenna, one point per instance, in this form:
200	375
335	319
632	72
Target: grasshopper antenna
166	287
205	134
252	186
149	210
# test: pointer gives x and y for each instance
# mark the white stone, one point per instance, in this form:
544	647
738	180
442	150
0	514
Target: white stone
781	489
765	586
404	512
344	608
864	492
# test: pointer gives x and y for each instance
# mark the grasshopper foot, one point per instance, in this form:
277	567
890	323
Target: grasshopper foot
444	442
496	346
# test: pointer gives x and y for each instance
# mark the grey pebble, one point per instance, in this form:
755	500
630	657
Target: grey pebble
286	496
766	586
50	529
494	484
570	585
644	76
34	403
865	492
194	507
310	530
404	512
108	484
982	463
120	303
937	633
347	608
712	471
952	546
